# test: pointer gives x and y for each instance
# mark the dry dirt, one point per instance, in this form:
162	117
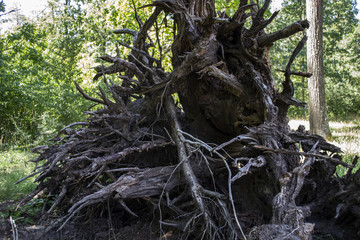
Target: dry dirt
124	228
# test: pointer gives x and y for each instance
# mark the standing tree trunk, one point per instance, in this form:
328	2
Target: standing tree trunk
317	109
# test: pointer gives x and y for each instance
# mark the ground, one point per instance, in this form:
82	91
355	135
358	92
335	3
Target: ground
346	135
121	227
98	229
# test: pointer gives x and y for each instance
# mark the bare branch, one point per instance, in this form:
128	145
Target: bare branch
301	74
268	39
240	12
11	11
158	62
257	27
121	66
295	53
140	40
262	10
320	156
126	31
87	96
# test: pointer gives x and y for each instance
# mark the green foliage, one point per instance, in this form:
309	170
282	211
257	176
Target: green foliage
38	66
14	165
347	137
280	53
340	60
2	6
24	214
40	59
344	100
227	6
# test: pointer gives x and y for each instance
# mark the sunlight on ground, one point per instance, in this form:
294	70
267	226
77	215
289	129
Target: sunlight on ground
346	135
294	124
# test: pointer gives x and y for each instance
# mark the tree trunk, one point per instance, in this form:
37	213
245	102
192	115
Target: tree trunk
222	163
317	108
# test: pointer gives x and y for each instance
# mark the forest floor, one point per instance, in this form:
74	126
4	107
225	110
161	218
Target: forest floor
14	165
346	135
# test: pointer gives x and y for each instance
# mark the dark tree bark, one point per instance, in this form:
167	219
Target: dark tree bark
317	106
222	164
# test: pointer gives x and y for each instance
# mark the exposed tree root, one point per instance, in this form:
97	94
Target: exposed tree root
223	164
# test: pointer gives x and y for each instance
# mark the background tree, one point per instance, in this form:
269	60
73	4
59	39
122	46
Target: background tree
59	47
291	11
340	77
38	67
317	107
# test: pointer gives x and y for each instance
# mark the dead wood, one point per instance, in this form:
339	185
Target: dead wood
220	164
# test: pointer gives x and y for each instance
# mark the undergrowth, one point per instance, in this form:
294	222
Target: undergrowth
14	165
346	135
24	214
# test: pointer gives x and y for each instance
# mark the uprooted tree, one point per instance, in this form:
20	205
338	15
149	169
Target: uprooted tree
218	163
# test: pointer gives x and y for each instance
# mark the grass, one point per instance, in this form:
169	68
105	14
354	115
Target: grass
346	135
14	165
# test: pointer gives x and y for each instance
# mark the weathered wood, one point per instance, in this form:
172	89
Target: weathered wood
296	27
221	164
